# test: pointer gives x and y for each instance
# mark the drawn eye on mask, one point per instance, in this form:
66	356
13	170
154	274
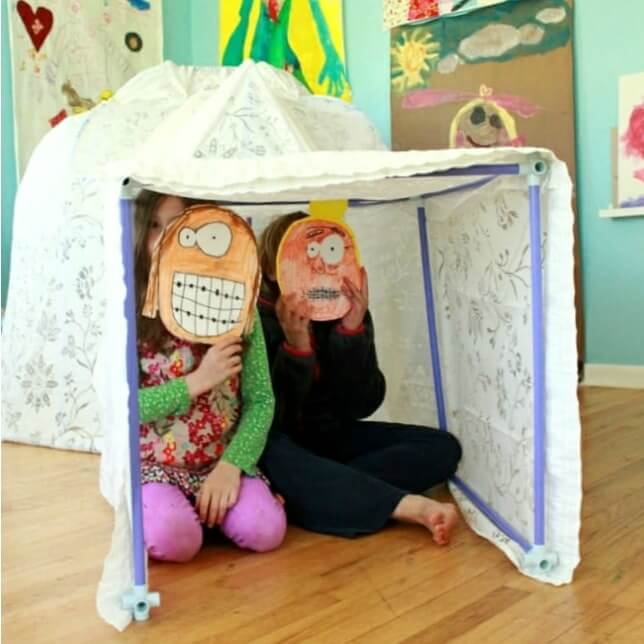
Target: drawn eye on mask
315	255
213	239
205	276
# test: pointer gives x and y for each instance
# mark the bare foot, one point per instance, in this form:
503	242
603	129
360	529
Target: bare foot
438	518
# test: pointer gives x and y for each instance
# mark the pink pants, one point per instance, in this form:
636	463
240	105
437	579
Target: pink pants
173	531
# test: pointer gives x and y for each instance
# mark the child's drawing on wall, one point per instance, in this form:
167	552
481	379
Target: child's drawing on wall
304	37
499	75
67	57
630	162
484	120
401	12
482	123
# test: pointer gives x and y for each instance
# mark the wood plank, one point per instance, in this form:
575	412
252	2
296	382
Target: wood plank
602	626
468	617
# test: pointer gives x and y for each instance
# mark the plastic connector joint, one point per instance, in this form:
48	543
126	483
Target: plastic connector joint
540	560
139	601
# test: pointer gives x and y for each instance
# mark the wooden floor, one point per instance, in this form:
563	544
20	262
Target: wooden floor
389	588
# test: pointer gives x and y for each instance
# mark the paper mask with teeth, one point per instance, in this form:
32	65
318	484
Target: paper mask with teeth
314	257
204	276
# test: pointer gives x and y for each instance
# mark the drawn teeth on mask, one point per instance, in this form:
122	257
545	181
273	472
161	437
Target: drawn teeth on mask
206	306
323	294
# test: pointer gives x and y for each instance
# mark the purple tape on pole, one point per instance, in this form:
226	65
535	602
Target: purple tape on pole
475	170
358	203
133	389
538	364
431	318
491	514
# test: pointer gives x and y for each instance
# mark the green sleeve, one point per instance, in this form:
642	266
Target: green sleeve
169	399
258	404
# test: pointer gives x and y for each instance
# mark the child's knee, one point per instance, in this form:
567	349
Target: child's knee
456	453
171	527
257	521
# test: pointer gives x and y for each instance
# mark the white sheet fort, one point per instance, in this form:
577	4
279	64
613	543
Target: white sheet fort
496	365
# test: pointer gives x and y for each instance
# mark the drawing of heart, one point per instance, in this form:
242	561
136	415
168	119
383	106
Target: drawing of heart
38	24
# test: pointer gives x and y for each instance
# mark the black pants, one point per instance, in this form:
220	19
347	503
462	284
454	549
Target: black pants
352	485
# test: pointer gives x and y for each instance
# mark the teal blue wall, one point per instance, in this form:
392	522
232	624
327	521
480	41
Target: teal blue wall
367	49
8	157
177	37
205	32
607	44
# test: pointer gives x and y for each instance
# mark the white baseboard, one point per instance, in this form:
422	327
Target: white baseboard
614	375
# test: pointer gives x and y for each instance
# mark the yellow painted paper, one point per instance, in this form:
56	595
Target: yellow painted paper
322	60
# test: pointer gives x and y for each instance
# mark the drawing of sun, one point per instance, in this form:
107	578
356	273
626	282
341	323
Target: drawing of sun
414	57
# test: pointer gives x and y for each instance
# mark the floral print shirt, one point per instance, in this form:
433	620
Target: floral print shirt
229	422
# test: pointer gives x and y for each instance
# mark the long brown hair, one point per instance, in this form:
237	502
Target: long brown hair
149	330
268	245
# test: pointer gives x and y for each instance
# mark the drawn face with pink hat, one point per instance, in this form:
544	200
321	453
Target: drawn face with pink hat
484	121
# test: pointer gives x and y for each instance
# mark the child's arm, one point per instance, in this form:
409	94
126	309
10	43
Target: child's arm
173	398
258	405
169	399
359	385
292	371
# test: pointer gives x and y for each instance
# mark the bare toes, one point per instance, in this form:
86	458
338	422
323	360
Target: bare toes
441	521
436	520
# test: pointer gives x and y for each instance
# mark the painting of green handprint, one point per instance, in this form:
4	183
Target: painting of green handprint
305	37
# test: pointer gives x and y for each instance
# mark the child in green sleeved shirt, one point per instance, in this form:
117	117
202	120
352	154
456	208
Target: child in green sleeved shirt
205	413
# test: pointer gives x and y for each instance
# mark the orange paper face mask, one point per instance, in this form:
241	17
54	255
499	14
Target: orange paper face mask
314	257
205	276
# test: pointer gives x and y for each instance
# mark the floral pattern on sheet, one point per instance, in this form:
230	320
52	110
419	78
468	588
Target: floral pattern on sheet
54	318
51	399
246	129
479	249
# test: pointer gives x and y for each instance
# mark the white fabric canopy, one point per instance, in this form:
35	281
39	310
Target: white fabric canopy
185	127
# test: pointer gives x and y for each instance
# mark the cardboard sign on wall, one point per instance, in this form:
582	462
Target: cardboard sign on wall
498	76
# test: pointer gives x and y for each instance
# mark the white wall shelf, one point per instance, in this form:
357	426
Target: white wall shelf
611	213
